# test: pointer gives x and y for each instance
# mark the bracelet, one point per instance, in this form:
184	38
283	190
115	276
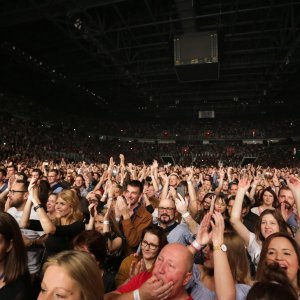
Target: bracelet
117	219
106	222
189	182
136	295
104	196
35	208
196	245
186	214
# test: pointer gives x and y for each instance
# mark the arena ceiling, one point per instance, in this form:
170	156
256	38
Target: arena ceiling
115	57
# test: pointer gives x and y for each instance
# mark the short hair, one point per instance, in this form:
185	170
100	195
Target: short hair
284	188
54	171
12	166
82	268
136	183
15	260
24	183
37	170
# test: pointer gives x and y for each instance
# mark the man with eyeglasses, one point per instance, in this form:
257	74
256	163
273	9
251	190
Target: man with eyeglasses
16	200
167	215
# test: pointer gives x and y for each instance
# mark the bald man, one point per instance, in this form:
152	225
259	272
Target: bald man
171	273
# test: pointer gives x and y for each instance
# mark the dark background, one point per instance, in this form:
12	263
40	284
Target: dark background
115	58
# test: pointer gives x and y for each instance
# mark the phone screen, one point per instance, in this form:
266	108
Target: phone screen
181	191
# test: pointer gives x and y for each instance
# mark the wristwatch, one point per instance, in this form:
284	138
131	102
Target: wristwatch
221	247
37	207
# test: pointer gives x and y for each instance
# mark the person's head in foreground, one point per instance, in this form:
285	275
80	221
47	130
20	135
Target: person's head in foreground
282	249
274	284
72	275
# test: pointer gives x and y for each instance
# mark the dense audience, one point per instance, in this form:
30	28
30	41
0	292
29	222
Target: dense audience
79	220
149	231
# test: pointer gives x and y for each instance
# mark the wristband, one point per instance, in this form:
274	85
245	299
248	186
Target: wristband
106	222
136	295
186	214
104	196
117	219
189	182
196	245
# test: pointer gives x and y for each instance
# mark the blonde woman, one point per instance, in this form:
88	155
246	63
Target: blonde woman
67	224
71	275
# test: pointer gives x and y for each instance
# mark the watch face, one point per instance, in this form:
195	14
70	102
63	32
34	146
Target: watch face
223	247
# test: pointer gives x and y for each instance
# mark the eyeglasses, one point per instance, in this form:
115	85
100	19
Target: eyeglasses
151	246
169	209
15	191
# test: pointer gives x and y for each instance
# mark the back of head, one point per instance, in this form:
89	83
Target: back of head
237	257
274	285
92	241
82	268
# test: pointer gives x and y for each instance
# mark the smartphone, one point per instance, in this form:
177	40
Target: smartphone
181	190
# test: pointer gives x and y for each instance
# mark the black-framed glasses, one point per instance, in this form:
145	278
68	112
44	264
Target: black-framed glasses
15	191
169	209
151	246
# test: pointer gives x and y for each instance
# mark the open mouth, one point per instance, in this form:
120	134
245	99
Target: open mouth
284	267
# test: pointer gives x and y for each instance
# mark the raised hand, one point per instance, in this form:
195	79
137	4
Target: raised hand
218	226
172	193
181	204
203	234
293	183
122	206
244	183
92	209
